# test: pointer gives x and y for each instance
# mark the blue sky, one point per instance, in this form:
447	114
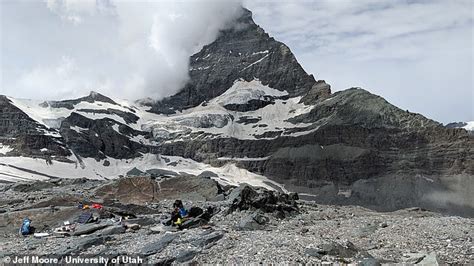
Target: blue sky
416	54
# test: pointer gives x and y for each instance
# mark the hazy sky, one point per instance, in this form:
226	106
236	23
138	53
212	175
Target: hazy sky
416	54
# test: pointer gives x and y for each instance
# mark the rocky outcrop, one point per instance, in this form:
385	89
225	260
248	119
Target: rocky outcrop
98	138
26	136
248	198
69	104
142	189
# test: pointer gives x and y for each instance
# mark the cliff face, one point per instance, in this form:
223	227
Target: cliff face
23	136
250	112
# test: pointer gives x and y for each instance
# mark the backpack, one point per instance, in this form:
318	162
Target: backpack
195	211
25	227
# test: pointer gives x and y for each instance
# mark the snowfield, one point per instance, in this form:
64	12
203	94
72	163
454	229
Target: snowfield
14	169
212	118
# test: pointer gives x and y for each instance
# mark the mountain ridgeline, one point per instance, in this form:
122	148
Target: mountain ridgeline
249	112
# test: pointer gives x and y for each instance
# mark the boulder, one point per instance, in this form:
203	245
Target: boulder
314	252
137	190
247	198
346	250
188	188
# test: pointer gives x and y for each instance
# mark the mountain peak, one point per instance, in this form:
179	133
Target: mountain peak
95	96
241	52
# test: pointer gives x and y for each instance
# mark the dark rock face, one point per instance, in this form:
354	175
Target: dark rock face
26	136
251	105
69	104
100	139
246	52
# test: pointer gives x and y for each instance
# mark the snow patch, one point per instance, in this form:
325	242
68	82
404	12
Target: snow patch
242	91
78	129
261	52
4	149
469	126
244	159
256	62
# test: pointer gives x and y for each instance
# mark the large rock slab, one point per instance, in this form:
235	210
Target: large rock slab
85	229
207	239
158	246
143	189
79	245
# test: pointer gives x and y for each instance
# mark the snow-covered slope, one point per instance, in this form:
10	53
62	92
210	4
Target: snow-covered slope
14	169
213	118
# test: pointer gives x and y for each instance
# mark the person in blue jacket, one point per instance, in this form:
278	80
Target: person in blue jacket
180	210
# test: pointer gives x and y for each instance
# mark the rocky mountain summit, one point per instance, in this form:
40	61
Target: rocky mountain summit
249	113
243	51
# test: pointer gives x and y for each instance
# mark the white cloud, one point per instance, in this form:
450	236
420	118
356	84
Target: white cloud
121	48
72	10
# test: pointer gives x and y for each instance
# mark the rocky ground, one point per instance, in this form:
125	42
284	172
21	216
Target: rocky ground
247	225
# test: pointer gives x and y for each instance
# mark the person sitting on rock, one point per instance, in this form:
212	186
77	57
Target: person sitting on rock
178	205
179	213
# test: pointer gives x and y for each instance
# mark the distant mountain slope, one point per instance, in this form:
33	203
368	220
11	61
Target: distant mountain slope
469	126
249	113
